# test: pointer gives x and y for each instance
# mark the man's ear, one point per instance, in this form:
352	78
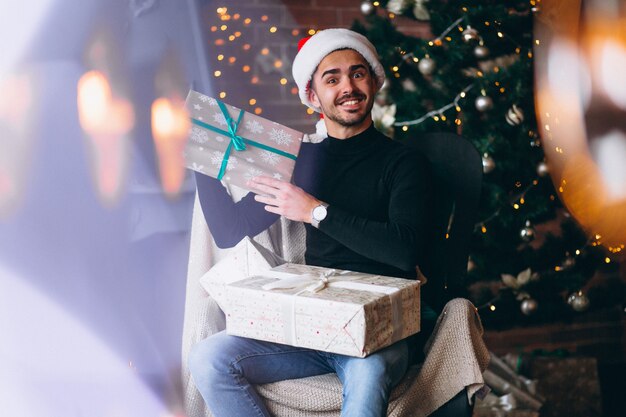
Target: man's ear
313	97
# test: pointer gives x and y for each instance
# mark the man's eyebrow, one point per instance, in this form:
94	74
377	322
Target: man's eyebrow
330	71
357	67
336	70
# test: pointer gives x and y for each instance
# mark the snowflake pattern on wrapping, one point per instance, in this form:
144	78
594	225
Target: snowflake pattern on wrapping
210	100
269	157
251	160
252	172
199	135
219	139
197	167
277	176
218	156
280	137
254	127
220	119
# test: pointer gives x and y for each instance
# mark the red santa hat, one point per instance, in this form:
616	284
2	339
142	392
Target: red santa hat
314	49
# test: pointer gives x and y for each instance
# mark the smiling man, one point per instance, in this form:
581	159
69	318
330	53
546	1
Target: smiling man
363	199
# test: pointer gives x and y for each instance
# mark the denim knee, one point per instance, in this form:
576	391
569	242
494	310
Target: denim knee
387	368
207	362
370	370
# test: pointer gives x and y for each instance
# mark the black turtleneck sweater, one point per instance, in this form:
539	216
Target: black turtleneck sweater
377	191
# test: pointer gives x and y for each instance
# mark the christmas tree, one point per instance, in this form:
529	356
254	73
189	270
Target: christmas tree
530	261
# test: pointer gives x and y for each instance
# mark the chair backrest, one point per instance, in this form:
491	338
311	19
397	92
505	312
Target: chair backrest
457	173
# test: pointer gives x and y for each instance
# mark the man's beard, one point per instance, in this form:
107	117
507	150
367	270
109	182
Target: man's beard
337	118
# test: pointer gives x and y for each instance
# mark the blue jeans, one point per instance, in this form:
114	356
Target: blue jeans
225	367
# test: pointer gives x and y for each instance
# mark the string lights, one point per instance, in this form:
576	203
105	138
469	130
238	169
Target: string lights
440	111
261	66
426	66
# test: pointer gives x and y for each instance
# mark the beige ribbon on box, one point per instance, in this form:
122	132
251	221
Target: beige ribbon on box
331	278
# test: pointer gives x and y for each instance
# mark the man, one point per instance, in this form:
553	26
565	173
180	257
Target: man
363	200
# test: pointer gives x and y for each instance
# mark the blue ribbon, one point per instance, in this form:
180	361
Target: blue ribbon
236	141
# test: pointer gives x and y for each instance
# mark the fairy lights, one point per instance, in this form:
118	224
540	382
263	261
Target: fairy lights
438	112
235	54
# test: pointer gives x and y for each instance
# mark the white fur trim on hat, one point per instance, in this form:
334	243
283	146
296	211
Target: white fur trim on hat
323	43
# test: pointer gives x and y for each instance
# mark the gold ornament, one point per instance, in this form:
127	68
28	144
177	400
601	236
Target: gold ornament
470	34
515	116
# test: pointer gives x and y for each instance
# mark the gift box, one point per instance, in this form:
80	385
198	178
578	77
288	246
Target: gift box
246	259
233	145
571	385
324	309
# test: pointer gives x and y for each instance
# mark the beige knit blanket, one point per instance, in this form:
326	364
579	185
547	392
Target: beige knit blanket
456	354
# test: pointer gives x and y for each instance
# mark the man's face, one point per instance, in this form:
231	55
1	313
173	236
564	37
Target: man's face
344	88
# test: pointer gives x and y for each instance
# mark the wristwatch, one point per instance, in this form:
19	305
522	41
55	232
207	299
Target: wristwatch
318	214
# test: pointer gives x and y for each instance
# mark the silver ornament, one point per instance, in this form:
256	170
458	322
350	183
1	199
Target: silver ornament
481	52
426	66
470	34
568	262
542	169
367	8
409	85
529	306
385	86
408	58
396	6
515	116
420	11
488	163
471	265
483	103
528	232
578	301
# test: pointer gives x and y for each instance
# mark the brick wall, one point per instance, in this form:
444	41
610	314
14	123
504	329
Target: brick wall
255	63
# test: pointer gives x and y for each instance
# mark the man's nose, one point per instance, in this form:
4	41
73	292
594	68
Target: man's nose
347	85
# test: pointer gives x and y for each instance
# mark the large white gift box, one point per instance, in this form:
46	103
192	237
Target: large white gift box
320	308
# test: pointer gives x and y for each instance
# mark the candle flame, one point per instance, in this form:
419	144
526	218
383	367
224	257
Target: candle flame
170	128
107	120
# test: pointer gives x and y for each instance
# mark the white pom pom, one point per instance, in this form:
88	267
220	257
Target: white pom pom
320	128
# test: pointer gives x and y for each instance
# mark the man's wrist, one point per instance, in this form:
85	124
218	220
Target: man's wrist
318	214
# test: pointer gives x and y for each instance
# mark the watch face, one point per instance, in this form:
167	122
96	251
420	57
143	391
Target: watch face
319	213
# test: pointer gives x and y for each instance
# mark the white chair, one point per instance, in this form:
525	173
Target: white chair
456	356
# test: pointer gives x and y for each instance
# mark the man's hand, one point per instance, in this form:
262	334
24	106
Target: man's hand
284	198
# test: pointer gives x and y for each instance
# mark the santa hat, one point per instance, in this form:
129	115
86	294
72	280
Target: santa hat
314	49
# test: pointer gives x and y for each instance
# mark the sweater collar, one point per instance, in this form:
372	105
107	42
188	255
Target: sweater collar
357	143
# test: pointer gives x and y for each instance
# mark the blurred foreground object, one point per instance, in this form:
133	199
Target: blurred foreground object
581	108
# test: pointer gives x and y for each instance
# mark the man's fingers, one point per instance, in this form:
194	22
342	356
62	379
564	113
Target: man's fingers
272	182
272	209
262	189
265	199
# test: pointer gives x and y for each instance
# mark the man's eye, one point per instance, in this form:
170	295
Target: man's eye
331	81
358	75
